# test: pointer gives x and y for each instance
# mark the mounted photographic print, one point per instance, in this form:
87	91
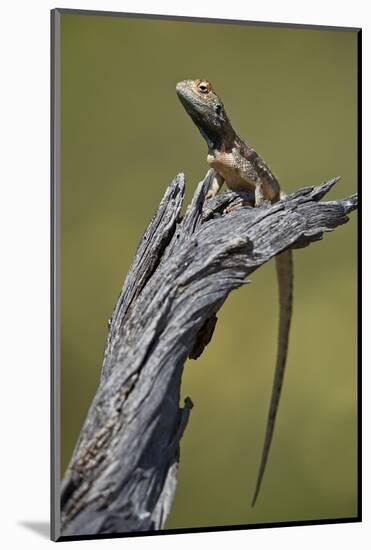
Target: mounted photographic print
204	275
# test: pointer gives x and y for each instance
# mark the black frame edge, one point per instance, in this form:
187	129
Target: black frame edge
154	16
209	529
54	274
359	269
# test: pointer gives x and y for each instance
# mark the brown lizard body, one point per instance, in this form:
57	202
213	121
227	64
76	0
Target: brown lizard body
237	164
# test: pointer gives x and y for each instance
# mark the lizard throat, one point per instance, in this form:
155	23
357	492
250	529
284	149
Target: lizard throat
219	138
214	140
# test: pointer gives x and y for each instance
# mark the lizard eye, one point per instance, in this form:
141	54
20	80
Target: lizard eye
203	88
218	109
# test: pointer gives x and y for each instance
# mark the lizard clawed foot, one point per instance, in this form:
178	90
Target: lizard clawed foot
263	203
242	203
210	194
247	199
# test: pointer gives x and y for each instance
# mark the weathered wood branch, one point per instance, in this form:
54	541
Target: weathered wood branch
122	474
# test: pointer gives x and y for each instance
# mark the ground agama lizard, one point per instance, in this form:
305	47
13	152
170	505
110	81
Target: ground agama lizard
237	164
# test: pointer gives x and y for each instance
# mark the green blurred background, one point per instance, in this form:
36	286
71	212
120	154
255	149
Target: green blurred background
292	94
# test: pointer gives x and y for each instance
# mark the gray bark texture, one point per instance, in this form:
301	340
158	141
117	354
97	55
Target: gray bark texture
122	474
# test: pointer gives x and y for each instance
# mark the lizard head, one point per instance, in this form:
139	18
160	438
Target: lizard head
205	108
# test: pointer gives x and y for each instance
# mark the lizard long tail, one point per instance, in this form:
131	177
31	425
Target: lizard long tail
285	271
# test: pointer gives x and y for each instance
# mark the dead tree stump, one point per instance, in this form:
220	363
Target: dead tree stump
122	474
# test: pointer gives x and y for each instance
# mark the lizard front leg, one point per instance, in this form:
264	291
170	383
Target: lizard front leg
216	184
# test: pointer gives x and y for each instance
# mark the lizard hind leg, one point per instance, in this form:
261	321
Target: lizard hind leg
259	194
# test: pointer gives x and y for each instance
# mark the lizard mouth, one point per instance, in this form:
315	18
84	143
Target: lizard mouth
182	86
184	94
190	101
